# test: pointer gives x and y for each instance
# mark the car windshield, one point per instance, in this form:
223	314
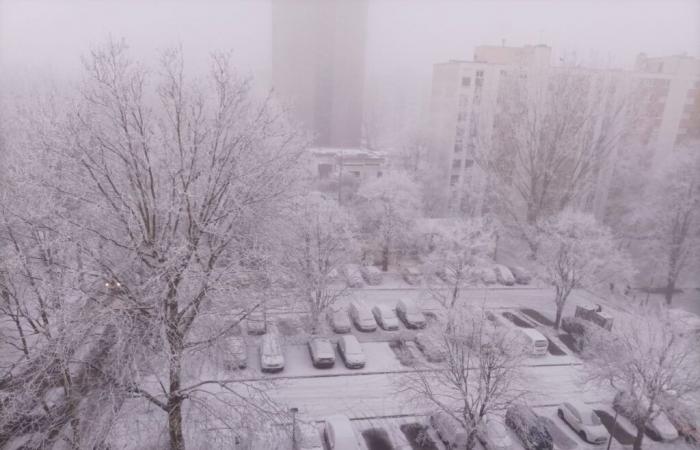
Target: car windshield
270	346
592	418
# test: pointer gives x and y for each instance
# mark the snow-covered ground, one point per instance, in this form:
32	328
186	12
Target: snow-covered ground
375	396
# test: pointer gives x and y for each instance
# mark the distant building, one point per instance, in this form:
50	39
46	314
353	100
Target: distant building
318	65
334	162
675	85
464	109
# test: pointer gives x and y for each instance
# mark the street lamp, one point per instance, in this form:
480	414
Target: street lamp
613	430
294	412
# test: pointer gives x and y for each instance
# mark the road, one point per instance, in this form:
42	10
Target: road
379	395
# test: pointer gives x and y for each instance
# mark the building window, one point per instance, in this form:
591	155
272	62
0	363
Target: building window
479	82
466	81
457	164
480	74
356	173
468	163
324	170
454	179
379	174
458	147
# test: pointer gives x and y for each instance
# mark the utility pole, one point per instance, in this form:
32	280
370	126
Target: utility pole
294	412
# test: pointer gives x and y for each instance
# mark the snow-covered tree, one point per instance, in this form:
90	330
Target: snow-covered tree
480	374
553	131
387	208
457	247
165	191
666	220
651	360
577	252
318	241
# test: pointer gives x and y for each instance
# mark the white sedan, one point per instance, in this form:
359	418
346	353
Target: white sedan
584	421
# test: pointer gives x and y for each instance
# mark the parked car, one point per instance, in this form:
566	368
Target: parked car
584	421
410	314
339	321
307	436
503	275
322	353
487	275
351	351
521	275
353	276
534	342
529	428
361	315
430	347
659	426
494	434
385	317
450	431
411	274
686	420
372	275
236	353
339	433
256	322
271	356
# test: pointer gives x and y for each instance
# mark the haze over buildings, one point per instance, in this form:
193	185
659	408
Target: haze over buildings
318	65
464	105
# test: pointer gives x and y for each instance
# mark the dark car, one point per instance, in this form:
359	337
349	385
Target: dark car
529	427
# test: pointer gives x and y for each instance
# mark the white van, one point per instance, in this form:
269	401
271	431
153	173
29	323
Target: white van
339	433
536	343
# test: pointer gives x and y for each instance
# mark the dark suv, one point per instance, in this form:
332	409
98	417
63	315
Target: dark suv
529	427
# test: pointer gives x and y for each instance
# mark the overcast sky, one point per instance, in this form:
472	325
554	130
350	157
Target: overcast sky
405	37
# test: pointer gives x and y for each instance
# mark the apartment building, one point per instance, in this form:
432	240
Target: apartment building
674	82
318	65
465	102
462	111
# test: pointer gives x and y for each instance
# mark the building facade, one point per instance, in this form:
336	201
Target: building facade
463	108
318	65
465	111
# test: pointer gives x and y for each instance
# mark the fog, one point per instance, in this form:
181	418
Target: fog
404	37
360	224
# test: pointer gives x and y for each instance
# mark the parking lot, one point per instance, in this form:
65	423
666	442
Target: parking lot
373	396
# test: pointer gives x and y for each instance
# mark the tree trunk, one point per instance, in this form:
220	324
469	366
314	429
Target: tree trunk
175	399
639	438
315	315
385	258
557	321
471	440
670	287
177	441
